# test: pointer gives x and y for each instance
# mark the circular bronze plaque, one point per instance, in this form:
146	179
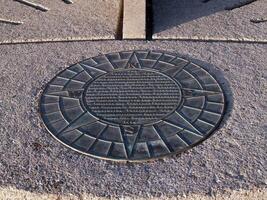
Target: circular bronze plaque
132	106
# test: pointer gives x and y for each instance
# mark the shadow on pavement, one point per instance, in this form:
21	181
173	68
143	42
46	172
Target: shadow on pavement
171	13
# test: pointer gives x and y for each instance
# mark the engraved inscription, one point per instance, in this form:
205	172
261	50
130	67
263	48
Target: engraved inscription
132	96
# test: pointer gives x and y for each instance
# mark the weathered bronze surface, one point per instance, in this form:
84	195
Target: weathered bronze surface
132	106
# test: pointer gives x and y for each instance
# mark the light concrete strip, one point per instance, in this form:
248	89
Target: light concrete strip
134	19
213	39
96	38
15	194
49	40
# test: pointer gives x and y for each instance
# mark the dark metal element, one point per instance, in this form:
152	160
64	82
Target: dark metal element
259	20
34	5
68	1
132	106
8	21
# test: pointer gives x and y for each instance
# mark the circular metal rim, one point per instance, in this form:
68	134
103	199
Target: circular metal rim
189	147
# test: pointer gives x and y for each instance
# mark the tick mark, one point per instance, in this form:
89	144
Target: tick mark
7	21
34	5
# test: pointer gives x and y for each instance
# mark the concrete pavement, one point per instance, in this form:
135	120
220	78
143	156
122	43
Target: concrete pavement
229	165
87	19
210	20
232	159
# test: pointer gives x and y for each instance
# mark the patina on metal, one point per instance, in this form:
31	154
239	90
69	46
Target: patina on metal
132	105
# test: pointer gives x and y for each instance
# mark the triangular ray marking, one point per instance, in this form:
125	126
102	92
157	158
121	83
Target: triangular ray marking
73	124
195	77
87	61
59	99
110	148
78	80
75	93
71	80
188	92
72	70
119	54
175	70
73	142
108	60
73	121
155	64
47	104
97	137
201	82
56	85
174	125
170	61
87	68
192	76
52	122
129	60
188	123
130	137
213	113
134	60
193	108
73	73
148	52
205	122
124	144
112	144
158	132
187	140
171	124
63	106
216	103
60	111
62	78
138	62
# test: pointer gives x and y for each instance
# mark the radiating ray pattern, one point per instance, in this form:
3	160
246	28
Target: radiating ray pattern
132	105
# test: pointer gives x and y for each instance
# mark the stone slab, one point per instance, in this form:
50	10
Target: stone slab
134	19
232	159
197	20
84	19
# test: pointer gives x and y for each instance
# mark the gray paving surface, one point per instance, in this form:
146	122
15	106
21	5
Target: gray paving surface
194	19
233	158
90	19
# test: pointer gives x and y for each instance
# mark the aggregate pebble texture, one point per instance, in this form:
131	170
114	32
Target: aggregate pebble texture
90	19
232	159
210	19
